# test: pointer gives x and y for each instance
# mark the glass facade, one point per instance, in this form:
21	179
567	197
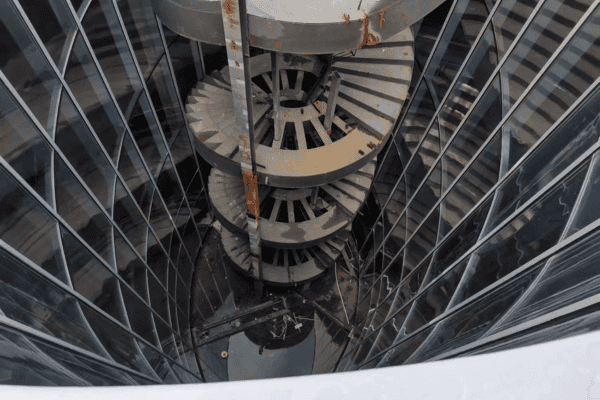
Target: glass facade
487	185
103	206
484	204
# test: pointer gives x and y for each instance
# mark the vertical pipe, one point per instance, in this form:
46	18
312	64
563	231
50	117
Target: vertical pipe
276	65
334	90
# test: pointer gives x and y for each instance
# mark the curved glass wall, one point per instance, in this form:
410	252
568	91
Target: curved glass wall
498	152
485	203
103	206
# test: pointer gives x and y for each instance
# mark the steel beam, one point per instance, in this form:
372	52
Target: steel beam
276	65
334	90
235	26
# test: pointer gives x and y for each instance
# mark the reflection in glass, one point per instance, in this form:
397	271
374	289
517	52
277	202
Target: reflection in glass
130	267
529	235
22	363
119	343
589	209
25	66
183	158
135	175
75	205
30	299
76	142
147	135
129	219
52	22
461	30
164	98
103	30
28	228
478	127
169	187
95	372
541	39
471	322
472	186
90	278
567	79
22	146
181	53
417	118
89	90
478	69
139	316
570	277
567	143
138	18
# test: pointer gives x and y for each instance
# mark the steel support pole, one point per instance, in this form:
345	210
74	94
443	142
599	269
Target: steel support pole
334	90
276	65
235	26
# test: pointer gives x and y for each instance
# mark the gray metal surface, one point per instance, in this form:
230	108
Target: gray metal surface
316	222
367	108
298	27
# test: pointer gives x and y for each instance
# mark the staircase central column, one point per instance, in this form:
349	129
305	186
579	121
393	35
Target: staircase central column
235	24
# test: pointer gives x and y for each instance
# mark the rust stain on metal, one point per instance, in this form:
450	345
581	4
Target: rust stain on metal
321	106
228	6
346	17
329	132
366	132
233	21
362	153
381	19
237	64
234	46
368	38
251	191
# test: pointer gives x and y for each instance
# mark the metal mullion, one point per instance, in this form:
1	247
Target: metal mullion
106	85
54	110
64	59
521	99
547	254
65	225
496	71
182	109
69	347
595	158
66	288
489	139
145	87
580	161
571	309
82	9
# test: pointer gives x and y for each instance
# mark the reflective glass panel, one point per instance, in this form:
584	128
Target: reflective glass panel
135	175
29	228
78	144
78	209
30	299
90	278
23	147
138	18
103	30
25	66
89	90
53	24
164	98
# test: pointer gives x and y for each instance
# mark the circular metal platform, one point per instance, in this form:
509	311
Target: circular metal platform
290	218
307	155
294	26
